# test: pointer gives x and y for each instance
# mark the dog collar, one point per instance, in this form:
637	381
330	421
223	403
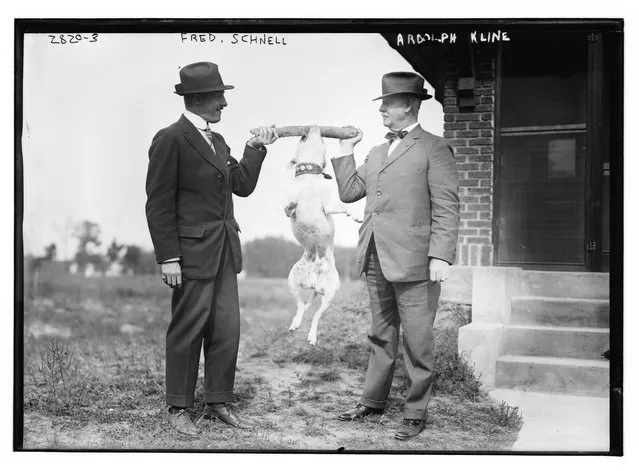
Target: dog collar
310	167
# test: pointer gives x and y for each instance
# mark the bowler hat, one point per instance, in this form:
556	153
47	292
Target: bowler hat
200	77
409	83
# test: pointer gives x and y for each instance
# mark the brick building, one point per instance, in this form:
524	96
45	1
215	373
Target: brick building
529	120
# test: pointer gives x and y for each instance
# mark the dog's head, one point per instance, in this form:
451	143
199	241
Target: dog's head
311	148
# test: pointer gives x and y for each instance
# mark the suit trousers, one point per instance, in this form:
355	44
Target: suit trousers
413	305
204	312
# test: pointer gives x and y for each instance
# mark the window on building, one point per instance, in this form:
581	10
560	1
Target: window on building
542	154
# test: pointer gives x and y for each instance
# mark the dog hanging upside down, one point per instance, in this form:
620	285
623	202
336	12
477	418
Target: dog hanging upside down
311	204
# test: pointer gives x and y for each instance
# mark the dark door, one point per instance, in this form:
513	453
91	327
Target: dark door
548	196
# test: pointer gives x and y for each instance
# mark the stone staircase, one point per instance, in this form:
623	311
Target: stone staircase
558	328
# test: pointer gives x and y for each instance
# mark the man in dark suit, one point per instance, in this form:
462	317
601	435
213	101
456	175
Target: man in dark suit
407	243
190	182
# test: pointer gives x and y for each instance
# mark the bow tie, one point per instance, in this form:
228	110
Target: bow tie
391	136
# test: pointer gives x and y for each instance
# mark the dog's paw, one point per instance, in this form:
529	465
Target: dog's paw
312	338
295	324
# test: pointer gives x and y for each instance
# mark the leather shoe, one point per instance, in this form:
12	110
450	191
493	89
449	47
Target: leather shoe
410	428
226	415
181	421
359	412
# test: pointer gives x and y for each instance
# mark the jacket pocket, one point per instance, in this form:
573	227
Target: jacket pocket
191	232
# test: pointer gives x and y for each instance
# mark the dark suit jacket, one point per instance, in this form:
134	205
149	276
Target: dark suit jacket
412	204
189	189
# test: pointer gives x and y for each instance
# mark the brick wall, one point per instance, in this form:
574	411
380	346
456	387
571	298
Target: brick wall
471	132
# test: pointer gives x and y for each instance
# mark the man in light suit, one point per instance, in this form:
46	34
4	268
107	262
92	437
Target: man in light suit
407	243
190	182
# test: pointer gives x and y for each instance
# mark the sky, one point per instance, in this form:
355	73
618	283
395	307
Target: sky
92	108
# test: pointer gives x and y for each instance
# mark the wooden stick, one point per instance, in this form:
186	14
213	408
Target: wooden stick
334	132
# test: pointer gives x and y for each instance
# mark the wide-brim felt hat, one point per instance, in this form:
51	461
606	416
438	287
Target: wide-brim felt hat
200	77
406	83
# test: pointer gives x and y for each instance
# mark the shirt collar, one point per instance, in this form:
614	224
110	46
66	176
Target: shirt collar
411	127
196	120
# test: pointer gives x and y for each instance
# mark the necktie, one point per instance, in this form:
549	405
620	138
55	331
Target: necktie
209	136
391	136
209	133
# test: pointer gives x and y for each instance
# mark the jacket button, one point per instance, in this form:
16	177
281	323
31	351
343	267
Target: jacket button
374	213
379	193
219	177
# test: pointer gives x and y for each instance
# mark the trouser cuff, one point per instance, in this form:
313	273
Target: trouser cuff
179	401
365	401
219	396
414	414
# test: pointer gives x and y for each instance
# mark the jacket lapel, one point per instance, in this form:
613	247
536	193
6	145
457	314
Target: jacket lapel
409	141
199	143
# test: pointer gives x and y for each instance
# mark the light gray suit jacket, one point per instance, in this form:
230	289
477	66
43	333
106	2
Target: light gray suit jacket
412	205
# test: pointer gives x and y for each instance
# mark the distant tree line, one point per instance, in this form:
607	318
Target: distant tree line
129	259
132	258
273	257
268	257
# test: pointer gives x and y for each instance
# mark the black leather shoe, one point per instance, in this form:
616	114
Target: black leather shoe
181	421
410	428
226	415
359	412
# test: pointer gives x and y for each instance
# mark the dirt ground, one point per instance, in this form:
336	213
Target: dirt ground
94	378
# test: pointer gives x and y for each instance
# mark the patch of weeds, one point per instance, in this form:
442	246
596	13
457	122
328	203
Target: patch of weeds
268	424
329	408
314	431
313	428
289	395
354	355
394	405
453	373
54	379
258	380
451	314
504	415
307	380
311	395
329	375
245	391
270	405
315	356
300	412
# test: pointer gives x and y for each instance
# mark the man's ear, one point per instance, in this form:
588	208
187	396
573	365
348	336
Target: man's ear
409	106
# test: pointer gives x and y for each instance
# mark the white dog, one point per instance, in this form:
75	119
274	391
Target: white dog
311	203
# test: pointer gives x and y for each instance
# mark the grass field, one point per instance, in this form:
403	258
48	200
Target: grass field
94	375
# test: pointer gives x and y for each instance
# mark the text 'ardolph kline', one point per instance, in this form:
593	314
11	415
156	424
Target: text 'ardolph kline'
475	37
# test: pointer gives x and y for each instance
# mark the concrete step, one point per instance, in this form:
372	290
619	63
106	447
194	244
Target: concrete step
549	341
566	284
578	312
552	374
